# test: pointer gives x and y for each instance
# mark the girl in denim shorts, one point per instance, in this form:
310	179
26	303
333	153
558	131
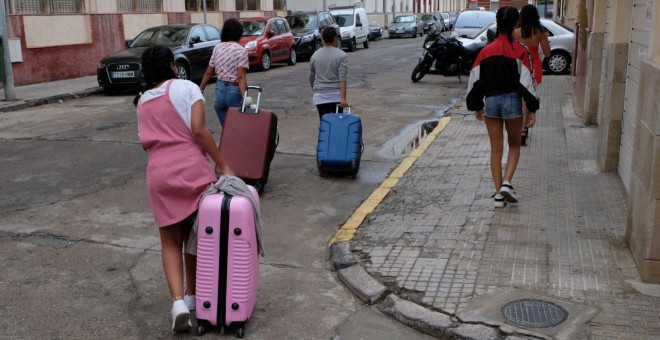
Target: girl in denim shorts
502	75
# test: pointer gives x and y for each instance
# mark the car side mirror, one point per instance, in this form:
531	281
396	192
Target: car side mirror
128	43
359	24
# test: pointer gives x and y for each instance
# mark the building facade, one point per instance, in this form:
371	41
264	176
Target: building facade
617	81
62	39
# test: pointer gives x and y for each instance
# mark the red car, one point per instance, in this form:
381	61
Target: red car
268	40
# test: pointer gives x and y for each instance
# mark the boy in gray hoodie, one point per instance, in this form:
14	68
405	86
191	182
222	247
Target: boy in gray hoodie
328	69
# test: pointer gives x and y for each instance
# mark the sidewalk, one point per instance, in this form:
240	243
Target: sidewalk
432	252
50	92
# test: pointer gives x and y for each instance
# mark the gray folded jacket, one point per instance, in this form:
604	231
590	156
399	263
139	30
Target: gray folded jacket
234	186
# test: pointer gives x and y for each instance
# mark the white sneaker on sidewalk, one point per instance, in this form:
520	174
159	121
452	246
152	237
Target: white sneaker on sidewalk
191	302
180	316
500	202
509	194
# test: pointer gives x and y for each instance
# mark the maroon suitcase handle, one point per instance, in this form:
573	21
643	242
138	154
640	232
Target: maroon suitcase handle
256	108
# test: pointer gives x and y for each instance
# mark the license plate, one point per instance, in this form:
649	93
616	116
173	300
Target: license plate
123	74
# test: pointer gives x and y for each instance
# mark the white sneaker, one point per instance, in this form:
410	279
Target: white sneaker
190	301
509	194
180	316
499	201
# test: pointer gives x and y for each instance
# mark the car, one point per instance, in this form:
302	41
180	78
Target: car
562	41
408	24
192	45
470	22
375	32
561	38
306	28
449	23
354	26
432	20
268	40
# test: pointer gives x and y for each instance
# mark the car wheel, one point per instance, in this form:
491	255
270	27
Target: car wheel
366	43
421	34
182	68
558	62
292	57
353	46
265	61
414	35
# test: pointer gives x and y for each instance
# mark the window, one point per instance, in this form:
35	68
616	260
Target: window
281	27
47	6
139	6
248	5
197	5
212	33
197	35
279	5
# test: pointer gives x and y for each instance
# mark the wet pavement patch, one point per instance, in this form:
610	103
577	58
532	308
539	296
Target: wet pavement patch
522	311
408	140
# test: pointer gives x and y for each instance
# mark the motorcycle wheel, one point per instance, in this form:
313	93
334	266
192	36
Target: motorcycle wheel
421	69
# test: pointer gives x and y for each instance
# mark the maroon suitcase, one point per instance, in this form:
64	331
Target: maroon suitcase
248	141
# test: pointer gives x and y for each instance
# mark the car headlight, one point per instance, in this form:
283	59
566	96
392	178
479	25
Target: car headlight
102	65
251	44
307	38
345	35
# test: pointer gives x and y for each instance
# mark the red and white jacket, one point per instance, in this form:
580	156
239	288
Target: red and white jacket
501	67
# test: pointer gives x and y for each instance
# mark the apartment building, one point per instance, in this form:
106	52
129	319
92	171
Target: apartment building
61	39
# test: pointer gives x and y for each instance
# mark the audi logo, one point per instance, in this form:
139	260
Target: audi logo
122	67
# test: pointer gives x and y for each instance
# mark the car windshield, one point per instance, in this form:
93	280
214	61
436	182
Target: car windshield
427	17
344	20
161	36
253	28
445	15
481	31
477	19
302	21
406	18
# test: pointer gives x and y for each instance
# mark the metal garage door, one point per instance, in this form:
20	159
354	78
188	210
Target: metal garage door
640	37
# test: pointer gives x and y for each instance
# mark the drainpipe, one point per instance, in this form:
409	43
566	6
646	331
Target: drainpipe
9	73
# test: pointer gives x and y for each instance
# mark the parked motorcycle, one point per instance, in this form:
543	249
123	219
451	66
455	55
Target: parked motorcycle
451	57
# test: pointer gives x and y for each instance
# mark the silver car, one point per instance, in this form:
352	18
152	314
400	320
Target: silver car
408	24
561	38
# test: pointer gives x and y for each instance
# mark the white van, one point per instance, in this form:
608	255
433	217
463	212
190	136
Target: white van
354	25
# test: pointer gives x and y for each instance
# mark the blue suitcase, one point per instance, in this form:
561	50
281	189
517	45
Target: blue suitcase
340	146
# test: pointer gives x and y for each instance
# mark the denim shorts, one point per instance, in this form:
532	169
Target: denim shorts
504	106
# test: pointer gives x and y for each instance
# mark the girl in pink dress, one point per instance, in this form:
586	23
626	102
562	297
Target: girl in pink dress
172	129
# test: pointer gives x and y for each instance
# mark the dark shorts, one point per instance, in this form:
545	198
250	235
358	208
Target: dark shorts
504	106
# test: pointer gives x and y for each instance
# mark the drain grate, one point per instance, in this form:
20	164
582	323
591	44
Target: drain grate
534	313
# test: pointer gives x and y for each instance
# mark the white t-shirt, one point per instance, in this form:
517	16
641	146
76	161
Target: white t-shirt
183	94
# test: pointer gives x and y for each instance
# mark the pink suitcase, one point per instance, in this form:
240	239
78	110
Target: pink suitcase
227	262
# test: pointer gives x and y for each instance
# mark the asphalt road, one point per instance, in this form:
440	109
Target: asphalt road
79	250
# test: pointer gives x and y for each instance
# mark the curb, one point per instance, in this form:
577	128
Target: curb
8	106
372	292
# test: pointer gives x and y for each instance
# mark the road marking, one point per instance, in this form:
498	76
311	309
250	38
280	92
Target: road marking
347	231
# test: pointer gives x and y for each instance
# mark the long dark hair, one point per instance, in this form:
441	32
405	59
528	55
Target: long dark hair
156	67
530	22
507	20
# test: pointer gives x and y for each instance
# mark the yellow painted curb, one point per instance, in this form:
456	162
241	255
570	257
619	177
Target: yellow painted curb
348	229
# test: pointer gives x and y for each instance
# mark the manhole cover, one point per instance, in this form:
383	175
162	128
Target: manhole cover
534	313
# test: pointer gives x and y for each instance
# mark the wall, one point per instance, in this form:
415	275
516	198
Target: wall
66	61
643	227
613	83
588	99
57	30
